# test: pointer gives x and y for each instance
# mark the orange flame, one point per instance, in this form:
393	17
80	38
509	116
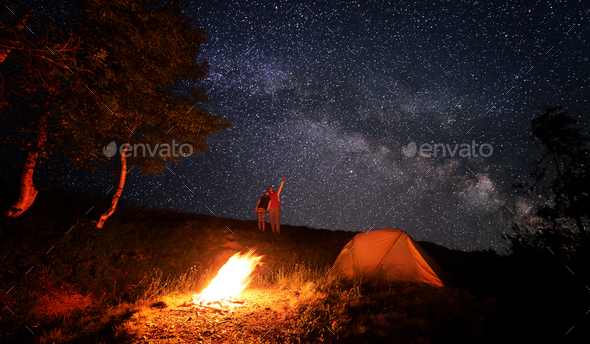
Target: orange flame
230	281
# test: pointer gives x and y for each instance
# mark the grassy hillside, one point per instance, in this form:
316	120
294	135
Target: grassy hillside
64	281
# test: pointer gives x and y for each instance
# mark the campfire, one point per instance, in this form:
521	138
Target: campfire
231	280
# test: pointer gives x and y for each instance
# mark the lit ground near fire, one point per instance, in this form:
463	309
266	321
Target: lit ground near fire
265	316
133	282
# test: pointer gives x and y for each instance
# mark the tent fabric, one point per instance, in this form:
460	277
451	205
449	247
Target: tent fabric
388	256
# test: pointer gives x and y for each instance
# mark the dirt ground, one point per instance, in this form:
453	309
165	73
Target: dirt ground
266	316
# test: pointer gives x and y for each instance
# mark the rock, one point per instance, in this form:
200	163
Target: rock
159	304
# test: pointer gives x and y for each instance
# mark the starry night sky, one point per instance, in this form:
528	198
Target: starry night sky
328	95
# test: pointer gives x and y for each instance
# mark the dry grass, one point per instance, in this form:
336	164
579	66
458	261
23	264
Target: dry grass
101	286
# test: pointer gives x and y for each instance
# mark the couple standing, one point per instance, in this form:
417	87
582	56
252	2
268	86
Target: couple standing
270	201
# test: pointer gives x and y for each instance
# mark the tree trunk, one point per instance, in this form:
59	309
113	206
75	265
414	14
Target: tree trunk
119	190
580	224
28	192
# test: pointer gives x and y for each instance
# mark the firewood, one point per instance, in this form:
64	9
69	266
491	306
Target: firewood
215	309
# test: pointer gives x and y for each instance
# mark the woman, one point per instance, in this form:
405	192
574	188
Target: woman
261	208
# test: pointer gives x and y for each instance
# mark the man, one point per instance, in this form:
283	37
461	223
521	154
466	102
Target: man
274	211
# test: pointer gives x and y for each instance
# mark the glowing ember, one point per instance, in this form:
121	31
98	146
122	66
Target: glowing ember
231	279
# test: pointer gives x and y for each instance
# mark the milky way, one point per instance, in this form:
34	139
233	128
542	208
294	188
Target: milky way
329	96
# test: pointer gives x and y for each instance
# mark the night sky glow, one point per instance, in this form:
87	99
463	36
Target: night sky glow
329	95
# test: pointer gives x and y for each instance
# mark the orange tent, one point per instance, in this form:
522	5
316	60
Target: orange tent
388	256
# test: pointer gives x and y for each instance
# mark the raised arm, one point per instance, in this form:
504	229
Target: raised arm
281	186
